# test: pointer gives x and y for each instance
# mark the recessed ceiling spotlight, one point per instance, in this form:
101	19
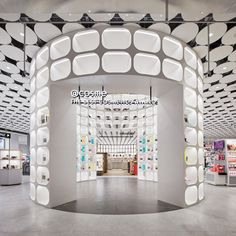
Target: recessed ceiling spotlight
89	11
22	34
225	67
217	87
8	67
210	34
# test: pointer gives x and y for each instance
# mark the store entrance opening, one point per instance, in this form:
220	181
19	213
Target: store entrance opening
122	141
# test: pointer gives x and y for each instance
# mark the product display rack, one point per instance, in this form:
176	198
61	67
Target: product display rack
10	159
86	146
147	144
231	161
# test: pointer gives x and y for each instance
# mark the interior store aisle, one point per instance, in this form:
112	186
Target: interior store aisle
214	216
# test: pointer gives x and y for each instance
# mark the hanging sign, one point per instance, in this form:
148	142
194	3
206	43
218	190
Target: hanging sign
5	135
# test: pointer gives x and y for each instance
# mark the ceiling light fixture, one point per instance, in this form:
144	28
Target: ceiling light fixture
22	34
210	34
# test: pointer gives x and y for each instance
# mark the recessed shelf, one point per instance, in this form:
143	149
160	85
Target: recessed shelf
190	77
42	97
190	116
200	138
190	58
42	175
200	156
116	62
201	191
32	138
147	41
42	77
172	48
191	195
42	195
60	69
32	121
116	38
191	136
60	47
42	57
200	174
32	174
190	97
147	64
172	69
84	64
32	191
200	103
191	156
42	116
42	156
32	156
86	41
191	175
200	121
42	136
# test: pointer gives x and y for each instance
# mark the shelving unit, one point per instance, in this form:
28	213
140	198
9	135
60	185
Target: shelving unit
231	161
10	167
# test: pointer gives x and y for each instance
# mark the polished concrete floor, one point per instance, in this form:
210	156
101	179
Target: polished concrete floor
215	216
117	196
117	172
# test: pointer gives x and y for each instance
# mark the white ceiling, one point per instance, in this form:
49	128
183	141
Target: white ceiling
219	86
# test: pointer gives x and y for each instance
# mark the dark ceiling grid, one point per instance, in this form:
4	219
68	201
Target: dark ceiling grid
219	113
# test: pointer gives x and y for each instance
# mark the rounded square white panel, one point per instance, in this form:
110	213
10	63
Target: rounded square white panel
172	48
42	136
200	138
42	57
116	62
191	175
42	97
200	174
32	174
190	77
190	116
191	136
172	69
190	58
201	191
147	41
190	97
84	64
32	191
42	175
116	38
86	41
60	48
191	195
200	68
32	121
32	156
200	103
32	85
32	139
200	121
147	64
60	69
191	156
42	77
42	156
200	86
200	156
42	195
42	116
